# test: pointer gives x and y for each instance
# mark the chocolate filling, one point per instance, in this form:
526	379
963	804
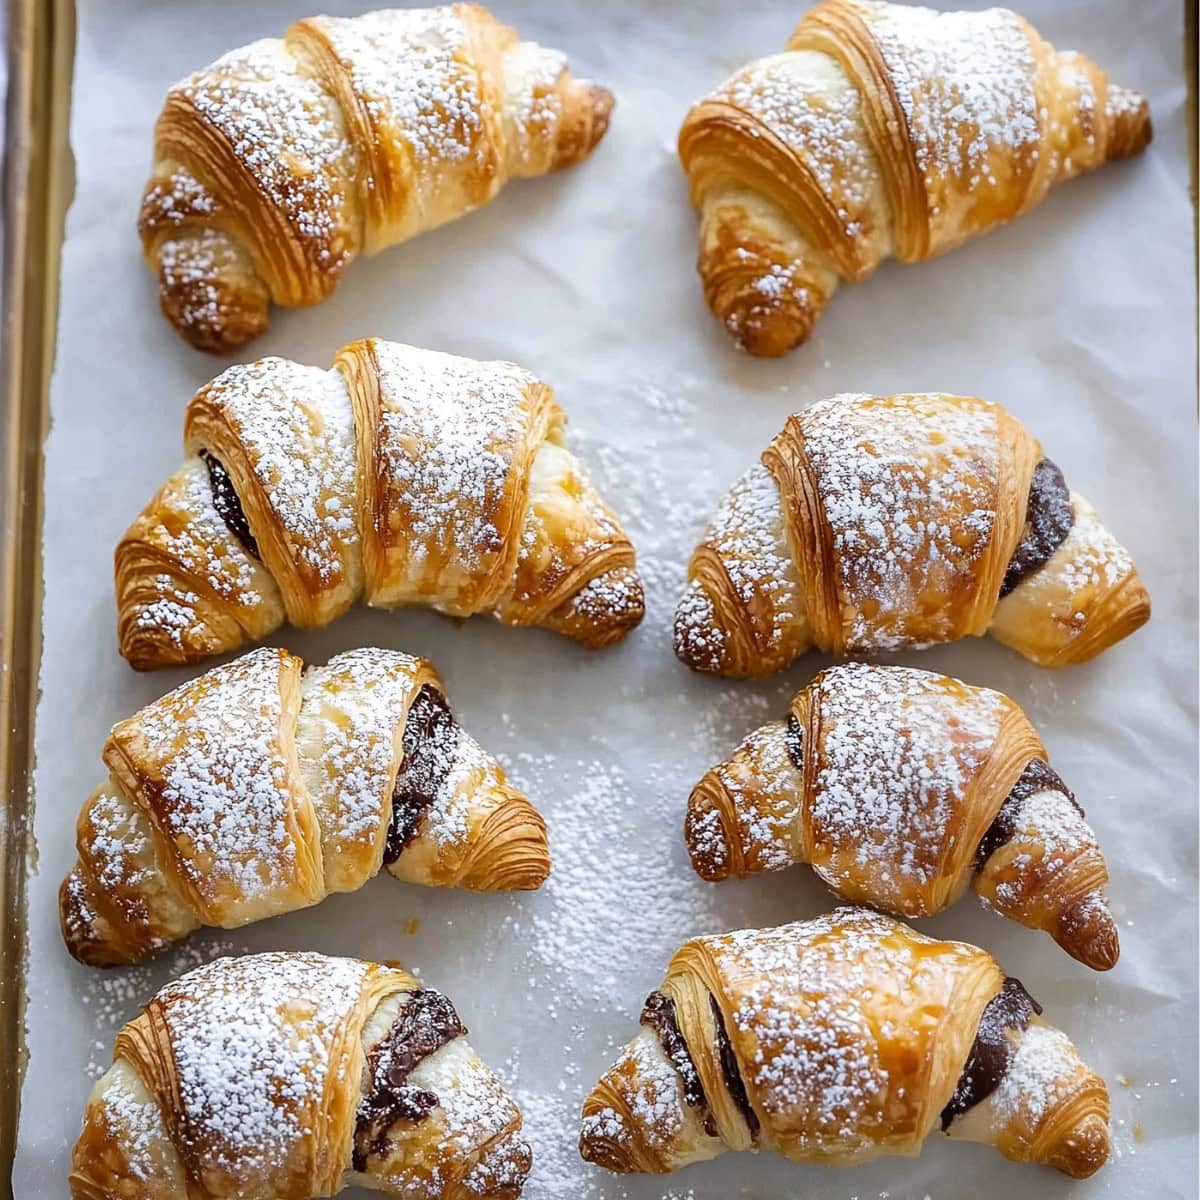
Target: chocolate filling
227	503
430	738
1012	1007
795	742
732	1072
659	1013
1048	520
1038	776
424	1025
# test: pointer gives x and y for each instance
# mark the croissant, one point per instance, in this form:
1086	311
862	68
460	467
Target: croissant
884	129
837	1040
260	788
399	477
289	1076
276	166
902	788
897	522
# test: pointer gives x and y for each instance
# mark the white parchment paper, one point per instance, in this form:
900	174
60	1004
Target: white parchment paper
1080	318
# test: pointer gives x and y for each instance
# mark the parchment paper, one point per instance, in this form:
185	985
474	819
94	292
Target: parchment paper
1080	318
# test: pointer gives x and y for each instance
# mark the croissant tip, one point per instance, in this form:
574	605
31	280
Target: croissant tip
1088	933
603	611
699	641
88	935
1084	1150
706	836
605	1137
209	296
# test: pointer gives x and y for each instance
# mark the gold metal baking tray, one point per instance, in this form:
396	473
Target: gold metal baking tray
37	186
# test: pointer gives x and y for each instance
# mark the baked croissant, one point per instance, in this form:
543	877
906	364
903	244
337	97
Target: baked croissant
884	129
835	1041
289	1076
897	522
261	787
902	788
276	166
399	477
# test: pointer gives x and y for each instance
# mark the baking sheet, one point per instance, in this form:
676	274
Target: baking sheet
1080	318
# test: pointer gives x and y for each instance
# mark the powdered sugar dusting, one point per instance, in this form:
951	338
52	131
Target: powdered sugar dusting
225	786
350	711
287	132
251	1040
1039	1074
446	433
412	71
965	84
896	755
805	100
908	488
295	425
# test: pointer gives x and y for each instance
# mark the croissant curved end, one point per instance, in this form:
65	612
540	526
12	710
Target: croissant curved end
1084	1149
1130	129
1087	932
512	852
700	640
603	611
90	937
708	841
501	1173
587	109
208	289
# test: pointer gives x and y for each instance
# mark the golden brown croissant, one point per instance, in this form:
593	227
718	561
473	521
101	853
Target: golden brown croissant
884	129
898	522
838	1040
276	166
902	788
399	477
289	1076
260	788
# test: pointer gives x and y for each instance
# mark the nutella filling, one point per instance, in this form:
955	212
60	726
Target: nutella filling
1038	776
1048	520
1011	1008
732	1072
430	738
795	741
424	1025
659	1014
227	503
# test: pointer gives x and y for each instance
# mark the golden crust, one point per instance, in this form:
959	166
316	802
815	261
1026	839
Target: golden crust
901	775
883	129
847	1036
401	476
252	791
881	523
283	161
